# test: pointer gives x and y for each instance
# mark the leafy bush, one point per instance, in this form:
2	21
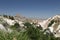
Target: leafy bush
11	17
16	26
5	16
32	32
39	27
50	23
27	24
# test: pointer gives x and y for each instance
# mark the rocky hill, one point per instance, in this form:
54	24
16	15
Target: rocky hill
53	24
50	25
7	21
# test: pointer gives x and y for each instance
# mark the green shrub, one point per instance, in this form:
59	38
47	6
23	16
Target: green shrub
50	23
5	16
16	27
27	24
11	17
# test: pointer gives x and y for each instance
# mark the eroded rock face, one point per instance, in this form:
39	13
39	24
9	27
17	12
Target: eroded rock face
2	27
45	23
54	27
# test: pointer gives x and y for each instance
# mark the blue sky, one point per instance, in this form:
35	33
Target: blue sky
30	8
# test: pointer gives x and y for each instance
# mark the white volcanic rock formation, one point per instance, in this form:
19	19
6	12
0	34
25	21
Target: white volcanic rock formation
45	23
55	26
54	23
